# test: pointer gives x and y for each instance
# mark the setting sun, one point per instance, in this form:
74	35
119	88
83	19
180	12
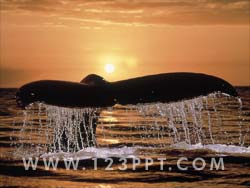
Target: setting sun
109	68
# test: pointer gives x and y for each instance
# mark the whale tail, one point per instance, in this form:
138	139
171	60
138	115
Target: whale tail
94	91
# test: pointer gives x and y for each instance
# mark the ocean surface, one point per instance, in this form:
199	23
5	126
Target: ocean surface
190	133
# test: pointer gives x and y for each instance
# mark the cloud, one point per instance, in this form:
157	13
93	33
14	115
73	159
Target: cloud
144	12
32	5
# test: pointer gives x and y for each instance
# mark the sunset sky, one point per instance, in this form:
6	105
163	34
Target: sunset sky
119	39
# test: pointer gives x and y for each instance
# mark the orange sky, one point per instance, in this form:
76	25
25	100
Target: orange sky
62	39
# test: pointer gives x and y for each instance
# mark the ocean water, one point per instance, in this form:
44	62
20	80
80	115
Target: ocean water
210	128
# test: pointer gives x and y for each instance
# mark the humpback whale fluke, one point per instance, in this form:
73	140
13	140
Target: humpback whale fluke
94	91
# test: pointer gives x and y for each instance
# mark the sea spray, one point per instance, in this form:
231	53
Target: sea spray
73	129
202	120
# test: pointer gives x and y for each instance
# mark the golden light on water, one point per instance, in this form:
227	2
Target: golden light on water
111	141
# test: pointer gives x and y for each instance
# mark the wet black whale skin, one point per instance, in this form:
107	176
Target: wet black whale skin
94	91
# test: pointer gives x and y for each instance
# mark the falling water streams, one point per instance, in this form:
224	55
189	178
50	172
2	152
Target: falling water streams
202	121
